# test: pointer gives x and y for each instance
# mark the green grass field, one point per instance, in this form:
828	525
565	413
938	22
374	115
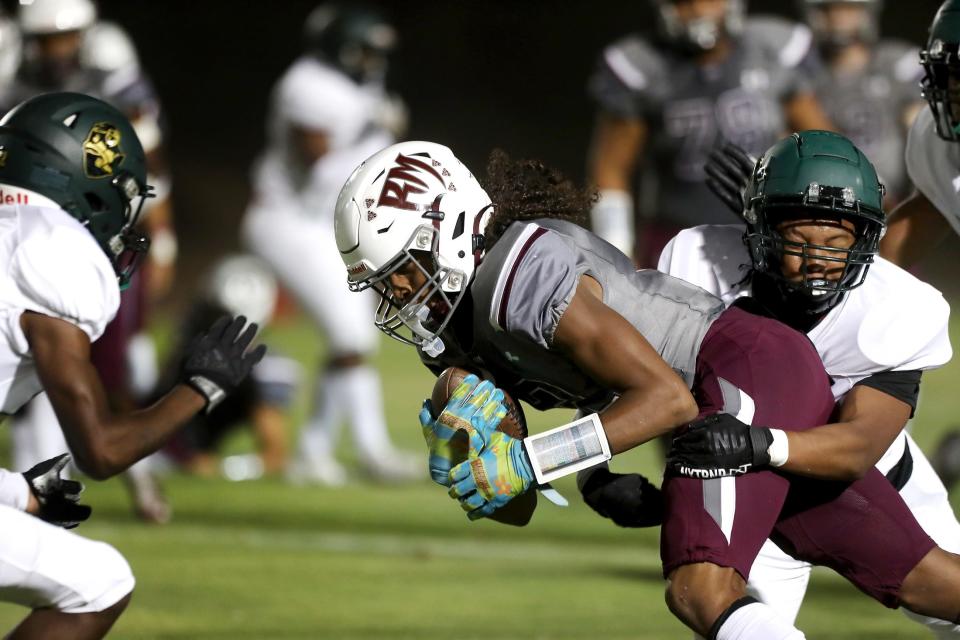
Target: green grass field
263	560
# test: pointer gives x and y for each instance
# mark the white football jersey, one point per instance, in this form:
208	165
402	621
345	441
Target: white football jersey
316	96
892	322
933	165
51	265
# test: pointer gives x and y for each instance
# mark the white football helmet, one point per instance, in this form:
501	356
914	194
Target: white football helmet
412	202
244	286
40	17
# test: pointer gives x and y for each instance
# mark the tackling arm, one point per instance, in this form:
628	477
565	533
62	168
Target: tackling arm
914	229
721	445
103	444
653	399
868	422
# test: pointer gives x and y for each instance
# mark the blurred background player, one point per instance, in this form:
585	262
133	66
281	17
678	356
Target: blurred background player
65	48
329	112
867	86
927	217
709	75
237	285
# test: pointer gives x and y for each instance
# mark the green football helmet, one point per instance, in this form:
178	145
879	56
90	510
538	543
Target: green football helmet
941	64
84	155
816	175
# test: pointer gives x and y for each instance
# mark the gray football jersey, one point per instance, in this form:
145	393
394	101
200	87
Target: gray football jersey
869	107
690	109
524	285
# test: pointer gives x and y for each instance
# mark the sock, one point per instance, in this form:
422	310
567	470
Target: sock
748	619
318	437
363	401
940	629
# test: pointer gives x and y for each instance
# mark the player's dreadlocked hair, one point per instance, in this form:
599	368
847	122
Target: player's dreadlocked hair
527	190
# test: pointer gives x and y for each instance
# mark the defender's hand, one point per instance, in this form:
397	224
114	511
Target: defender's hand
629	499
728	170
216	362
446	436
719	445
497	470
58	497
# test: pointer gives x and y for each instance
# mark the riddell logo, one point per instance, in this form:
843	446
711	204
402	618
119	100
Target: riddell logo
357	269
13	198
402	180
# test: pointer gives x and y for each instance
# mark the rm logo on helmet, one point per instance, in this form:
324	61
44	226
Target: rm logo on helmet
101	151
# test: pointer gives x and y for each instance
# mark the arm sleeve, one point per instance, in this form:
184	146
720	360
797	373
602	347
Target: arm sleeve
535	286
902	385
63	273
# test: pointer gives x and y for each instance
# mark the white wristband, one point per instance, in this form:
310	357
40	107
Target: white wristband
14	490
779	449
567	449
612	219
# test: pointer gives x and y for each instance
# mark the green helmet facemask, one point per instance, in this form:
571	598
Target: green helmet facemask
84	155
814	175
941	64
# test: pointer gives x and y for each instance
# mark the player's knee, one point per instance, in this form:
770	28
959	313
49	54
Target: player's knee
933	586
699	593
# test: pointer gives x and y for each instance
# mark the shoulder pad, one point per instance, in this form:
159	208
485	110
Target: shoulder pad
790	42
901	59
635	62
713	257
907	327
62	272
536	280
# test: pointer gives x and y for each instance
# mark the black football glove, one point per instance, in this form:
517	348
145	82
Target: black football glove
58	497
729	169
717	446
215	363
629	499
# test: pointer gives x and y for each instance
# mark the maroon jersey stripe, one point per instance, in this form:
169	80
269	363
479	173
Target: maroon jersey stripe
505	298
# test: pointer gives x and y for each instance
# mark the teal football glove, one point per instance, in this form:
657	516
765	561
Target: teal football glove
496	471
447	438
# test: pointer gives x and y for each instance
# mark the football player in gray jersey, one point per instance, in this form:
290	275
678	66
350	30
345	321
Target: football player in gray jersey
867	86
558	316
709	75
924	220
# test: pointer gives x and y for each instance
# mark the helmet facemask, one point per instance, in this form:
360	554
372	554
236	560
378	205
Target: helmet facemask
941	87
127	248
421	319
699	34
817	292
861	23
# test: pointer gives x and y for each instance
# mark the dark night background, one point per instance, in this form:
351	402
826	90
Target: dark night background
474	75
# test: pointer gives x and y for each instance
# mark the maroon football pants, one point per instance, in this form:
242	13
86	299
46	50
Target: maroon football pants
767	374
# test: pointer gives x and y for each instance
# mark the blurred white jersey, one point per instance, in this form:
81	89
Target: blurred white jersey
933	165
892	322
51	265
290	220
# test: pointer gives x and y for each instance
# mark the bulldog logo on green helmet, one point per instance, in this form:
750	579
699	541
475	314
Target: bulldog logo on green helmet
102	154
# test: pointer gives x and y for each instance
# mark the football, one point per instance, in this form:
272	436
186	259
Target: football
520	510
513	424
